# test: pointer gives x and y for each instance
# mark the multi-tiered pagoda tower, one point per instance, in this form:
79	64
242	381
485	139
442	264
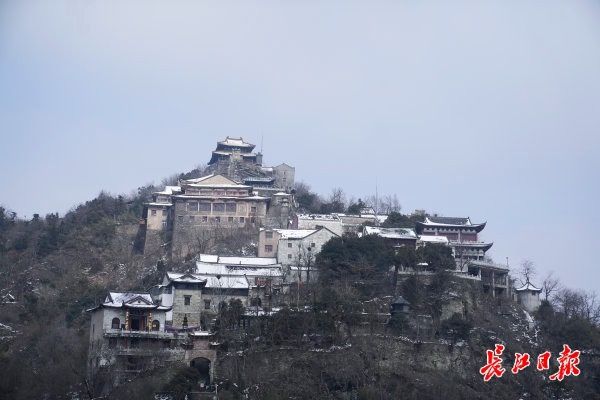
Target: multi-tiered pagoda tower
236	159
461	233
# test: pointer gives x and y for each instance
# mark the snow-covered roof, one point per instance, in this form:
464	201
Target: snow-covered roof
391	233
155	204
226	282
198	180
528	286
233	260
488	265
318	216
184	277
168	190
433	239
130	300
219	185
381	218
120	298
294	233
281	194
238	142
448	220
208	269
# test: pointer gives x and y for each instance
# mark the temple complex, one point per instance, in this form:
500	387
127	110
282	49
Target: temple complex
239	194
469	252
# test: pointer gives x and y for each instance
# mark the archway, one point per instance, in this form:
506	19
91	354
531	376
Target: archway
202	365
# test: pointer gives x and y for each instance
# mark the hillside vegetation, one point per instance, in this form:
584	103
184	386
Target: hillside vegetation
331	342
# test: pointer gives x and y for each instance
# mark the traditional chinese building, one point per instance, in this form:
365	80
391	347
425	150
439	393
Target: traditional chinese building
462	236
529	296
239	193
236	159
123	328
469	252
130	334
253	280
192	213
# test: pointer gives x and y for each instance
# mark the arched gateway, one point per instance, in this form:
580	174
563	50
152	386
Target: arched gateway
202	365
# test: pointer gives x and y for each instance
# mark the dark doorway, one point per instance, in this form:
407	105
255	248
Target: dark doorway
202	365
137	323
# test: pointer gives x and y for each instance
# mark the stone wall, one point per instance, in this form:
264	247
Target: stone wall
192	311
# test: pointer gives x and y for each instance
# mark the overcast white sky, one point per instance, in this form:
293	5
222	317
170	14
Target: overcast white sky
488	109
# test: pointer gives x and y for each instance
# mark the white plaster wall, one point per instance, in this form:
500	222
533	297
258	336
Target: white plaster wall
298	252
334	225
529	300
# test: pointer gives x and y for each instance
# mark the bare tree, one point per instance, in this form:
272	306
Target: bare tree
527	271
579	304
337	199
385	204
389	204
550	285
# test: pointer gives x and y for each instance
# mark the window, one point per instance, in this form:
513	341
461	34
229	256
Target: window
253	209
187	300
268	235
312	245
289	256
180	218
218	207
193	206
164	224
218	220
242	220
230	219
205	207
289	245
204	218
152	212
231	207
155	325
268	248
164	213
185	321
207	304
116	323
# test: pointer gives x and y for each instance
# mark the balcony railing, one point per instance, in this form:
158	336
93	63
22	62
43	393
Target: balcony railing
497	281
139	334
